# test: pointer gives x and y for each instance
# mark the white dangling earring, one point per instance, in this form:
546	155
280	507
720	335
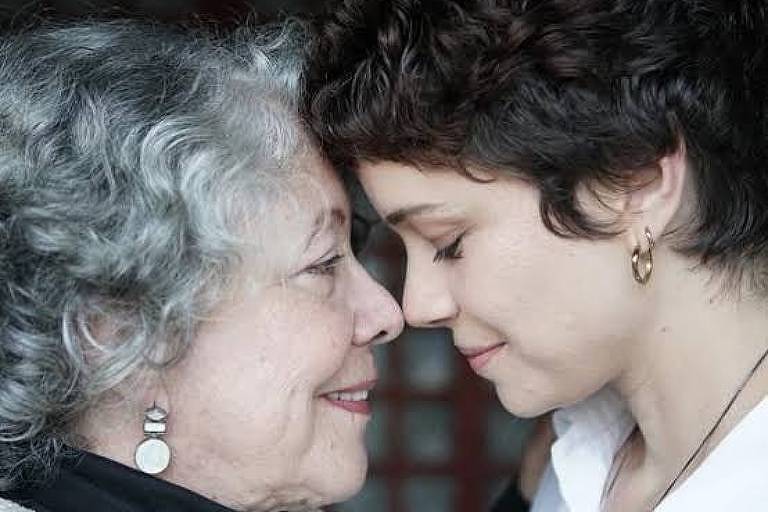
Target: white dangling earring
153	455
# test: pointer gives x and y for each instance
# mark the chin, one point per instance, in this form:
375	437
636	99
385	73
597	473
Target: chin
345	478
523	405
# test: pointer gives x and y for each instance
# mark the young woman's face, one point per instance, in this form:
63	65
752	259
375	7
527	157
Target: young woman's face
270	404
548	320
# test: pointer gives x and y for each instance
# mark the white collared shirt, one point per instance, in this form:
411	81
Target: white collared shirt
734	477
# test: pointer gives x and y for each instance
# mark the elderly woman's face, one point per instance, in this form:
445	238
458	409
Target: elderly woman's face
270	405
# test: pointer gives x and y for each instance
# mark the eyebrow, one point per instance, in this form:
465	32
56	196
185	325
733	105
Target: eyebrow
338	218
401	214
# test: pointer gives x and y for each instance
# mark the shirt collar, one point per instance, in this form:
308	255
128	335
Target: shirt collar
588	436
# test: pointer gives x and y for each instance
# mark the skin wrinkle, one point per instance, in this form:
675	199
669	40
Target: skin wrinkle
294	341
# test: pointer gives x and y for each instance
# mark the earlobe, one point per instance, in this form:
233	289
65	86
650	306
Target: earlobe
656	201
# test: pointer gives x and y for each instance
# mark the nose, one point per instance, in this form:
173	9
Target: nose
427	299
378	317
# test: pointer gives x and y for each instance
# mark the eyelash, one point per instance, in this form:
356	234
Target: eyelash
451	251
326	267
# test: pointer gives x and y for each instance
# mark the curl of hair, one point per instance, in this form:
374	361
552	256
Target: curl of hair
563	93
130	155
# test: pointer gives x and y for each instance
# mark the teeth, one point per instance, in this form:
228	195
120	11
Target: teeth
356	396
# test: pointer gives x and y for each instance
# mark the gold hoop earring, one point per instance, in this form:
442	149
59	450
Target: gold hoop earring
642	261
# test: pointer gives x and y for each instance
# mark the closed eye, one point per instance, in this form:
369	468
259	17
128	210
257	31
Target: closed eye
451	251
325	267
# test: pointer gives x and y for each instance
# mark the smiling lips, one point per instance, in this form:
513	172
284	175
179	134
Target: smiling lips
479	357
353	399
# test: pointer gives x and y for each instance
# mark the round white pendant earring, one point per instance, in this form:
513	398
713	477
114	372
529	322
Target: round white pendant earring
153	455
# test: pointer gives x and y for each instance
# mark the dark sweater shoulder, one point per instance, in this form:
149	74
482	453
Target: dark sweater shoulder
90	482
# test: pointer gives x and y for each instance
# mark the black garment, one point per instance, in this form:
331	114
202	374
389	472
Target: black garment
511	500
92	483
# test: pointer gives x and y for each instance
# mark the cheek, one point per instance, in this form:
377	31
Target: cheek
326	344
261	368
309	342
557	301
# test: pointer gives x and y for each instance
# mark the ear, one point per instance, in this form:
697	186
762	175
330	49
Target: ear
655	203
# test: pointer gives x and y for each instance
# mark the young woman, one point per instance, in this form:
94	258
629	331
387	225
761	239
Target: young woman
582	192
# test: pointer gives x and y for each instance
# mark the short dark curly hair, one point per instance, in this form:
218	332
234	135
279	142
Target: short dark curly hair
563	93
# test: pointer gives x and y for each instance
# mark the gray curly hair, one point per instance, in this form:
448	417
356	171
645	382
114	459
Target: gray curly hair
130	153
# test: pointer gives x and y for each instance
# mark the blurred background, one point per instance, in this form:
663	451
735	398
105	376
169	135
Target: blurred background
439	440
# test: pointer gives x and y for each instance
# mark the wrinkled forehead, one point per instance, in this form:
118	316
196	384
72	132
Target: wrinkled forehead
313	204
322	198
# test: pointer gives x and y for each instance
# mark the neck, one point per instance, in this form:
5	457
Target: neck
113	429
696	353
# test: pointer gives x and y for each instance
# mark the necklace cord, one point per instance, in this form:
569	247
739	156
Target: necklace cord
614	476
712	430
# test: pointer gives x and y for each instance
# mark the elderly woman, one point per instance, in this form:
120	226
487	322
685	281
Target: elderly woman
183	326
582	192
